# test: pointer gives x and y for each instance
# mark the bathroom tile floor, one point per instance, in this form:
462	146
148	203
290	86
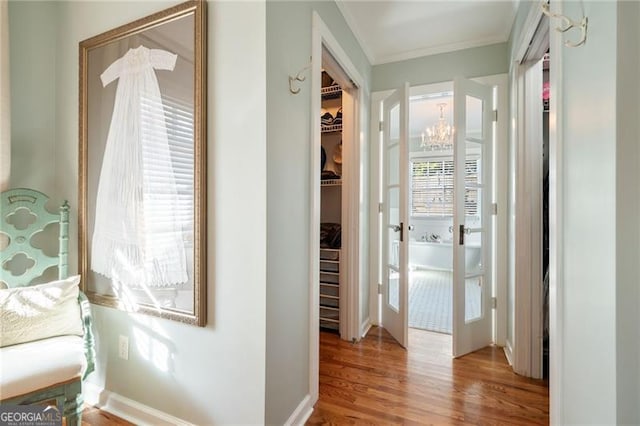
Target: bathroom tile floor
431	300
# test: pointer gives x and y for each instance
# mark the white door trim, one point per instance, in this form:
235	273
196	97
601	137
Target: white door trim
375	200
527	344
353	145
528	231
556	223
499	191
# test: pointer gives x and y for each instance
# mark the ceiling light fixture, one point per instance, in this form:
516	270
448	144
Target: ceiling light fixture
440	135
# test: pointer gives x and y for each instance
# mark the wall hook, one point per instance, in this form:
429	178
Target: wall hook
298	77
567	25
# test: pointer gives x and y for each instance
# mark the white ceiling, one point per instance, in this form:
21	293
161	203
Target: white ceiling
395	30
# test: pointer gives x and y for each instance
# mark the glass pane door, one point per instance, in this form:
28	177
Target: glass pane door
395	211
472	319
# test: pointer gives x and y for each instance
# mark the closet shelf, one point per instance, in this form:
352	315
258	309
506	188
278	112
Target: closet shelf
331	128
331	182
328	296
331	92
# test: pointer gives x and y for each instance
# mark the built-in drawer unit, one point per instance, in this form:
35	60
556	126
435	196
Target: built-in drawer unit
330	284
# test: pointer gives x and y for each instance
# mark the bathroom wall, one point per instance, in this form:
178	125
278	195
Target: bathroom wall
440	226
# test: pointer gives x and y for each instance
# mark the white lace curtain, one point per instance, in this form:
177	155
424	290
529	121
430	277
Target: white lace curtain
5	105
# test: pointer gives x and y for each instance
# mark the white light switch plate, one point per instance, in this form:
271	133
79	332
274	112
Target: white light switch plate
123	347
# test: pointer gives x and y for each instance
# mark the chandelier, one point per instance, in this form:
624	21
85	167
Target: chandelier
440	135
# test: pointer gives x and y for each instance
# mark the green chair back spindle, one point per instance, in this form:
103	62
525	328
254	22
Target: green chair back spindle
34	202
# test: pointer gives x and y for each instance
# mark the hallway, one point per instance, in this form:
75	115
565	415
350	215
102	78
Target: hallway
376	381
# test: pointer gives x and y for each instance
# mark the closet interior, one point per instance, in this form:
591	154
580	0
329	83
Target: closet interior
331	257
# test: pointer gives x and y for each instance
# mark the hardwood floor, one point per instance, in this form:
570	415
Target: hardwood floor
375	381
92	416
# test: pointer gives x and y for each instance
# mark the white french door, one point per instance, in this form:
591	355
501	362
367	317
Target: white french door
395	183
472	307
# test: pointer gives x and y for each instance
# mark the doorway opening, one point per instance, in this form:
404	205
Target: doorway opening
436	194
431	175
335	287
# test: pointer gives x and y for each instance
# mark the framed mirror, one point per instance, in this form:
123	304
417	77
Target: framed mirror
142	197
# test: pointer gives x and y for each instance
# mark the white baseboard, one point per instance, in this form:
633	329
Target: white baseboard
365	327
302	413
126	408
508	352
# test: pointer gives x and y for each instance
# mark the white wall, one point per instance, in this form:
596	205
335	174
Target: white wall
588	281
597	283
627	214
205	375
288	183
33	94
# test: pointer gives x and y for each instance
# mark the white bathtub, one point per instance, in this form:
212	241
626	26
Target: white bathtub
439	256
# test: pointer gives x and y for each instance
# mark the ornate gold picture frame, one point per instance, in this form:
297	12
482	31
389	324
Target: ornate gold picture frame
142	195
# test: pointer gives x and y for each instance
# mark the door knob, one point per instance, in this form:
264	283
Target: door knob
399	228
463	230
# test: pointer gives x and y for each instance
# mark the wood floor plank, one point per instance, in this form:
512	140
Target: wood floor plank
93	416
376	381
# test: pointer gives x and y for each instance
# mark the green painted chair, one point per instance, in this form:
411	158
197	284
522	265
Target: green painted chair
68	394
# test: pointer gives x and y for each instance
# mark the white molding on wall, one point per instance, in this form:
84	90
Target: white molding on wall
365	326
436	50
126	408
508	352
302	412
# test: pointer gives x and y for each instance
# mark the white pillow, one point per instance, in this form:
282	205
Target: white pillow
40	311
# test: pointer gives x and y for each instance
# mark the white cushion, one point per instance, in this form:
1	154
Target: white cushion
36	365
40	311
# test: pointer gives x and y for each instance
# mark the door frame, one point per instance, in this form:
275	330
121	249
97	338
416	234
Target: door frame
556	223
354	149
500	178
525	351
556	196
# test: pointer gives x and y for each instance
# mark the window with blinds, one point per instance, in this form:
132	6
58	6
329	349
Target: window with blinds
168	169
178	117
432	187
